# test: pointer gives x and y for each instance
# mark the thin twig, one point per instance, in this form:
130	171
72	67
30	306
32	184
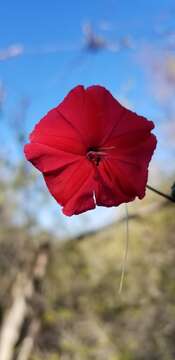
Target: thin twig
168	197
125	253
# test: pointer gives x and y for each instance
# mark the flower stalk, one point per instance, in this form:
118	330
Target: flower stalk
168	197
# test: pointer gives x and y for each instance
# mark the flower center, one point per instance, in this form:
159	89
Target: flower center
95	155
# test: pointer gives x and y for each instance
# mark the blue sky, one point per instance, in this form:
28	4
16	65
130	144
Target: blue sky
45	78
58	23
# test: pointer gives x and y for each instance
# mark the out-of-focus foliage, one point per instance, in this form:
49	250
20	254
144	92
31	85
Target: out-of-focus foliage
84	317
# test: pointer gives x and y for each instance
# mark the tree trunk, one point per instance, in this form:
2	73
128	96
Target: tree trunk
25	289
28	342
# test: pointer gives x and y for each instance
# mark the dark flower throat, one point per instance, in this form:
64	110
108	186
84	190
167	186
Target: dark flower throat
95	155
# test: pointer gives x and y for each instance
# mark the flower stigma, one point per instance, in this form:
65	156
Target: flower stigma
95	155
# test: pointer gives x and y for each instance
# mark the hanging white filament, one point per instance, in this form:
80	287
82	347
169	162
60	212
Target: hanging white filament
94	198
125	252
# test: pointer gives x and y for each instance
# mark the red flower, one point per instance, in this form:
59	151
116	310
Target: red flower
91	150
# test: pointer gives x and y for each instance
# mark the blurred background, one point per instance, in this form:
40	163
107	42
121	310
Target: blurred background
60	276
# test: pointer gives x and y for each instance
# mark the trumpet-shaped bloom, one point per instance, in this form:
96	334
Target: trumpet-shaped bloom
92	151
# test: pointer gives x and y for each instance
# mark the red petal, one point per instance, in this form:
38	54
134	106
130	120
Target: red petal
129	164
109	191
93	112
137	151
123	175
131	179
47	159
55	131
73	187
109	111
129	129
72	109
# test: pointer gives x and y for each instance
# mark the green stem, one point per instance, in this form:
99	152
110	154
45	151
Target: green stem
168	197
